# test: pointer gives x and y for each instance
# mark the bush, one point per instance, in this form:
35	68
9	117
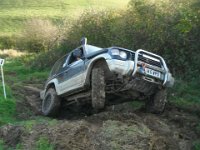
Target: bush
196	145
98	26
185	95
39	35
8	42
169	28
45	60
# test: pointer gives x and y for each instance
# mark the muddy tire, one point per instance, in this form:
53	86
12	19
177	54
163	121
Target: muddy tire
51	103
156	103
98	89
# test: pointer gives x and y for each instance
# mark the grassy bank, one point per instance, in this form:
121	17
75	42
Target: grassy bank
17	74
7	110
13	13
186	95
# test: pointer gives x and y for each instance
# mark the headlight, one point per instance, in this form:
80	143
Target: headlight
116	52
123	54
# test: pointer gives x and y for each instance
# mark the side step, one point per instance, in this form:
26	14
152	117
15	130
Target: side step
79	98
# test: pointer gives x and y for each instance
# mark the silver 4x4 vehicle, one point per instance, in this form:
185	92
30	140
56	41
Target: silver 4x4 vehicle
100	76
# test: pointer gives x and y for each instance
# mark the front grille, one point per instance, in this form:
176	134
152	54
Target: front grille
147	60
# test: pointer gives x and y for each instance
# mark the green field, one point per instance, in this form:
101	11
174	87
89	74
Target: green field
13	13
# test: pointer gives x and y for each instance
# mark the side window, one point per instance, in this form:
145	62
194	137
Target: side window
76	55
58	65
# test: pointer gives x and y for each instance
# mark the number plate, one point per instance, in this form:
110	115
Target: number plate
152	72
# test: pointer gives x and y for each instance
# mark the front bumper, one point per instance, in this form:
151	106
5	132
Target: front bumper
121	67
126	68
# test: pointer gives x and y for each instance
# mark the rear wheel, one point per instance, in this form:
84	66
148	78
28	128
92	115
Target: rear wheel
157	102
98	89
51	103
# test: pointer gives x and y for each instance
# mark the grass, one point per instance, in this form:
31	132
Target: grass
1	145
17	72
196	145
13	13
44	144
118	133
7	111
185	94
16	76
11	53
29	124
137	104
7	107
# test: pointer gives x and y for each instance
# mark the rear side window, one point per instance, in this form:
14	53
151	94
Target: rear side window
58	66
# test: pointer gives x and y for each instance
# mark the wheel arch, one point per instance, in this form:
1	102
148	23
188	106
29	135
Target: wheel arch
100	62
51	85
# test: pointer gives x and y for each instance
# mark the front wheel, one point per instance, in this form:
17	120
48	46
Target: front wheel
98	89
51	103
157	102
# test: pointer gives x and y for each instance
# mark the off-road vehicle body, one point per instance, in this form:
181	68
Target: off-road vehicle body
100	76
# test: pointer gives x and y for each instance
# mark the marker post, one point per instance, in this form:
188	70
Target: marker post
2	77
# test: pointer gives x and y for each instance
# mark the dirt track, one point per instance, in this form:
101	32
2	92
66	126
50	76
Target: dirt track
119	127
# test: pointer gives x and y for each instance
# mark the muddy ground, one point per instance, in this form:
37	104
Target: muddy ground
119	127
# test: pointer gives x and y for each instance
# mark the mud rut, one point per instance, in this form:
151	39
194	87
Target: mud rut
118	127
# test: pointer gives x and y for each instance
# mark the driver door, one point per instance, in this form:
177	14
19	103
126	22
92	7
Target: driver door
73	74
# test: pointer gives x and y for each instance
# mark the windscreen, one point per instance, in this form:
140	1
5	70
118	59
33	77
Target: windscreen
91	49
